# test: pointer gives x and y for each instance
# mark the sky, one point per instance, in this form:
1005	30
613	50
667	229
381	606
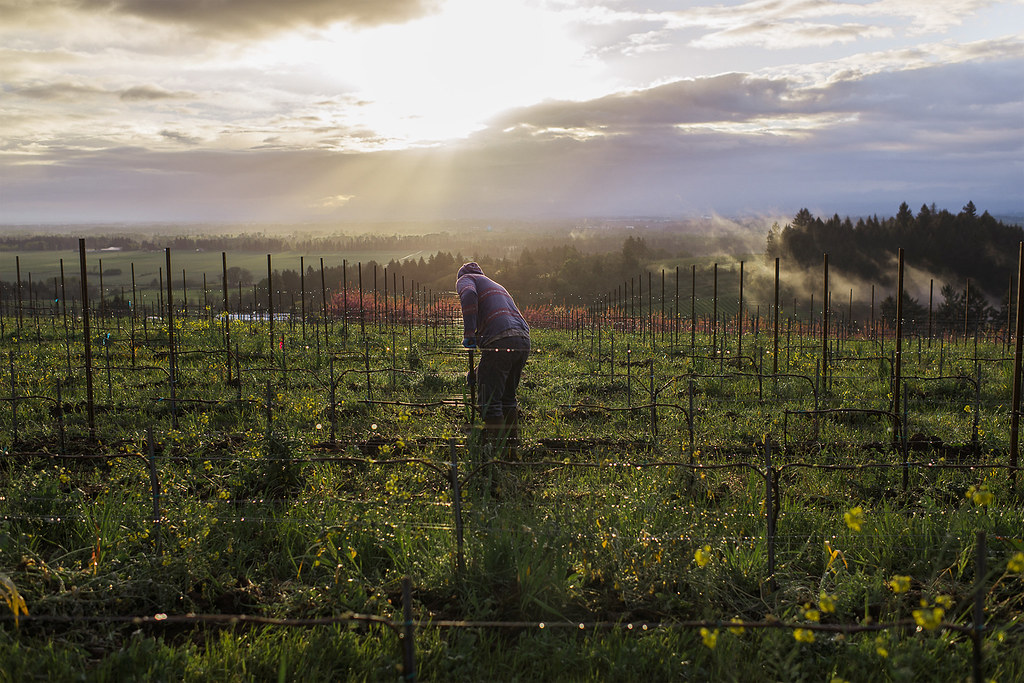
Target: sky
407	110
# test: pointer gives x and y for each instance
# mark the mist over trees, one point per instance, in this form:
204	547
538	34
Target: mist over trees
954	247
969	254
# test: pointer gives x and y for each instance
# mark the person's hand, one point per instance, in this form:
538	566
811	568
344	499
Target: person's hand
469	342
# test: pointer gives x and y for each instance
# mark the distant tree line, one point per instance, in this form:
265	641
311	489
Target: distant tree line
952	246
970	254
535	276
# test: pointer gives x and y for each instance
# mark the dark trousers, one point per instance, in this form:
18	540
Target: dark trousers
498	375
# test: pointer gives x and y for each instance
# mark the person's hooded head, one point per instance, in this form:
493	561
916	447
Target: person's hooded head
471	268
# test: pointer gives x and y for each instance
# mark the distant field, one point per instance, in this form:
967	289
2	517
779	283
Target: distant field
45	265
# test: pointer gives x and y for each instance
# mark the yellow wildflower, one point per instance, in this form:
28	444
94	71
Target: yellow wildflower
736	630
854	518
709	637
980	495
702	556
929	618
880	648
827	603
899	584
803	635
1016	563
808	612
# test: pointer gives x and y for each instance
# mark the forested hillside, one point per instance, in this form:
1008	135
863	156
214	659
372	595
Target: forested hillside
954	247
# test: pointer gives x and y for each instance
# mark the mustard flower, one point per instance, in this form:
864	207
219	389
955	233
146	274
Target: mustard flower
854	518
709	637
702	556
810	613
929	618
803	635
899	584
980	495
1016	563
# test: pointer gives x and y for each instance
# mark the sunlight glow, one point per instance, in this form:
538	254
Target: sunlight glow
443	76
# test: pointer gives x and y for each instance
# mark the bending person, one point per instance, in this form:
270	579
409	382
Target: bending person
493	323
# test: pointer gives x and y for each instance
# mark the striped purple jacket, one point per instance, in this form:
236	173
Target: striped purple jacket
488	311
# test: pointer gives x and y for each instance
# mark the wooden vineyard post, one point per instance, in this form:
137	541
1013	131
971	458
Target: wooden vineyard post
135	314
824	321
693	312
408	632
344	297
611	352
654	403
17	270
227	314
64	310
675	314
931	297
60	416
323	298
334	404
739	329
980	570
366	364
714	313
769	508
170	342
460	556
14	401
689	415
270	304
471	380
898	361
661	323
302	293
154	482
775	328
362	310
87	339
967	308
1017	357
903	442
629	377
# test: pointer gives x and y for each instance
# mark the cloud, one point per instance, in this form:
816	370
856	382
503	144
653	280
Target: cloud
728	97
787	35
56	91
787	24
261	17
150	93
855	144
68	91
129	130
19	64
175	136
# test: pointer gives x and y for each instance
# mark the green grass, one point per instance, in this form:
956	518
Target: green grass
602	522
